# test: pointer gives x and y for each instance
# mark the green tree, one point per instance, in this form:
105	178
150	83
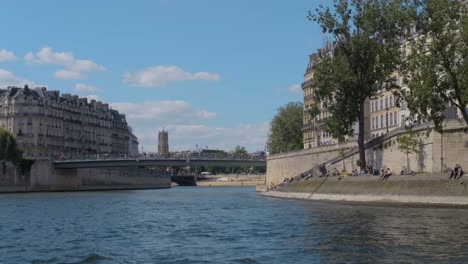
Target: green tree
436	68
285	129
407	144
240	152
367	36
8	147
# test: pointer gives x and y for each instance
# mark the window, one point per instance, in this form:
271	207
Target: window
403	105
381	104
386	102
391	101
381	119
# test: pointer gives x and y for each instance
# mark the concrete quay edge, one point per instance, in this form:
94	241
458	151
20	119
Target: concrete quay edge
436	201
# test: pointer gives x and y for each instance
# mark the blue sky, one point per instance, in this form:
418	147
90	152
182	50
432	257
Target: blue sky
212	72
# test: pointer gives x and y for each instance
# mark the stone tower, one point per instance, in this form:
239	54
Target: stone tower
163	142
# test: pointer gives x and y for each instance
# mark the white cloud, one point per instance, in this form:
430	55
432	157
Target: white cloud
295	89
68	75
6	55
74	69
29	57
176	111
160	76
81	87
9	79
186	126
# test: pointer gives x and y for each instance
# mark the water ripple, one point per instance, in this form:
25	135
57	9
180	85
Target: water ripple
221	225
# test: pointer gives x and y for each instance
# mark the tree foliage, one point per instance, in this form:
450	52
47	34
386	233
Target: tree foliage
436	69
368	34
286	129
240	152
8	147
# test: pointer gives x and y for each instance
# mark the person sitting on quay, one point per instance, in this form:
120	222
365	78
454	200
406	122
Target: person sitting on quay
364	172
344	173
336	172
381	174
405	171
387	174
451	173
355	172
325	173
457	172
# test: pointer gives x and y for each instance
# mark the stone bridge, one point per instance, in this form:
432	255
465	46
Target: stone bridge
185	180
157	162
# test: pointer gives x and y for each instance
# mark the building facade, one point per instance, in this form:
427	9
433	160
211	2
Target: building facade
163	143
314	127
314	134
132	144
386	114
51	125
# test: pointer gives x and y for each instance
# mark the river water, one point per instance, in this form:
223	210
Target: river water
221	225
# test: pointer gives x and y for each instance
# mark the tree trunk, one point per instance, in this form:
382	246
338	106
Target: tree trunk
407	161
464	114
362	151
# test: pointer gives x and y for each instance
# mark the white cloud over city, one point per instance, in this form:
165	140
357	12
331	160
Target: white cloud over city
160	76
176	111
9	79
295	89
6	55
73	68
187	126
81	87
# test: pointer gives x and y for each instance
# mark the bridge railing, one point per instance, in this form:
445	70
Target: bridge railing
143	157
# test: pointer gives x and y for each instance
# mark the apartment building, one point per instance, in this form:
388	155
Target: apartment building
314	127
48	124
314	133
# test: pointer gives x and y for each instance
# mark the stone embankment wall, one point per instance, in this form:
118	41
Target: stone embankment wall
417	189
288	165
232	180
43	177
436	152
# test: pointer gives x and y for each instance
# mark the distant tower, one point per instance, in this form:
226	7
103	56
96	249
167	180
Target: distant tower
163	143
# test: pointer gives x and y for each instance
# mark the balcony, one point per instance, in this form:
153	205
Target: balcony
308	97
306	83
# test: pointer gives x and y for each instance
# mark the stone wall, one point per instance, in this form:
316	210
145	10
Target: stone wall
451	145
417	189
10	177
291	164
